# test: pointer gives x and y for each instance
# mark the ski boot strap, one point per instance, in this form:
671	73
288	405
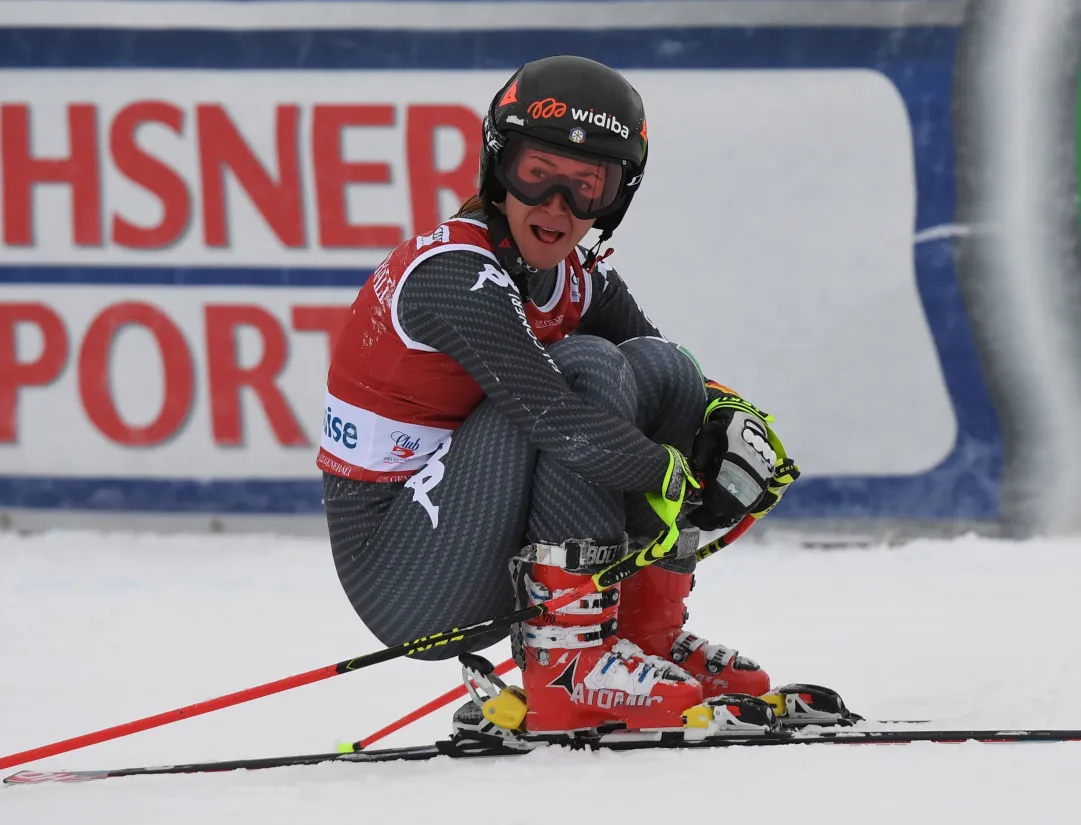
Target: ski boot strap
575	555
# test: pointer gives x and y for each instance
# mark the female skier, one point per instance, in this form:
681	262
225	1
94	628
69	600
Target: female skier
498	399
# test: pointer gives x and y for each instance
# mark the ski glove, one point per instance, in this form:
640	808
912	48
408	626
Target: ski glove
784	474
668	503
743	462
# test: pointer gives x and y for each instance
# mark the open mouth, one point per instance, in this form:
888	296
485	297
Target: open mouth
546	235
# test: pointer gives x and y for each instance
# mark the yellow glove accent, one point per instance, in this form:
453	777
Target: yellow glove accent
669	501
734	402
785	473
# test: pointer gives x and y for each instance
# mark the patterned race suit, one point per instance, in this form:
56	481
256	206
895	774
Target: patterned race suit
464	420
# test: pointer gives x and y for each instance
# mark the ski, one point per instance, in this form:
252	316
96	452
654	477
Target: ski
616	741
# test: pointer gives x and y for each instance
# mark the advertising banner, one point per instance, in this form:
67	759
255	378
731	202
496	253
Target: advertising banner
187	213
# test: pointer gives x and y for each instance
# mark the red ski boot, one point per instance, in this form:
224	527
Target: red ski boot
652	615
578	673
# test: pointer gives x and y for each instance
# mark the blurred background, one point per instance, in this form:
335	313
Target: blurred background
862	214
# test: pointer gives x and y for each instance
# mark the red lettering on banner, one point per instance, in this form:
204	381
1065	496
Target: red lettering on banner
15	374
425	179
151	174
94	385
226	376
22	171
332	174
221	146
329	320
275	188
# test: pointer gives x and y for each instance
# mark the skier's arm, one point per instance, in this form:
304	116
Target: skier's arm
616	316
477	319
613	313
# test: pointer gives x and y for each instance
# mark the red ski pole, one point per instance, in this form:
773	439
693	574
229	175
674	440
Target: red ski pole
459	692
608	577
721	542
432	706
281	685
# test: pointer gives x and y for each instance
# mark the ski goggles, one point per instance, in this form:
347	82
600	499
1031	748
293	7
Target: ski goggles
534	171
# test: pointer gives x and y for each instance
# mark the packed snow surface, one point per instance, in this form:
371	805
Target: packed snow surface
102	629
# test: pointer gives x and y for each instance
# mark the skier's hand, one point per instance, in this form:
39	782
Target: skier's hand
785	473
743	462
679	482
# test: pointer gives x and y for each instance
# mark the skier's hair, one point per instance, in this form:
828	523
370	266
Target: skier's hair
474	203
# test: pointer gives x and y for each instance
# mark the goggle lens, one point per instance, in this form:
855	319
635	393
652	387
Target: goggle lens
533	172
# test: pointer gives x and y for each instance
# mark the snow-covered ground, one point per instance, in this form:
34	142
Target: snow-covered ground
97	630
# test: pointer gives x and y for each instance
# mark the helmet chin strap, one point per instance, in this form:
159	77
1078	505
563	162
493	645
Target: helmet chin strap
506	248
591	256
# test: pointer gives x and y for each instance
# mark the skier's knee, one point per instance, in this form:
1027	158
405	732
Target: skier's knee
597	371
662	358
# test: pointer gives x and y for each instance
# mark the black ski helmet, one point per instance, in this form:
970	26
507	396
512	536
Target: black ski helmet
575	105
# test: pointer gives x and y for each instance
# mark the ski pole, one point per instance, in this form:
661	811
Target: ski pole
347	666
606	578
702	553
432	706
721	542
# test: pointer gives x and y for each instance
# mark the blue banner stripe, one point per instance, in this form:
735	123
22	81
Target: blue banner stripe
181	276
887	497
714	48
157	495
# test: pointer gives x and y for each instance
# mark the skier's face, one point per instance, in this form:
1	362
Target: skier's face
547	233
